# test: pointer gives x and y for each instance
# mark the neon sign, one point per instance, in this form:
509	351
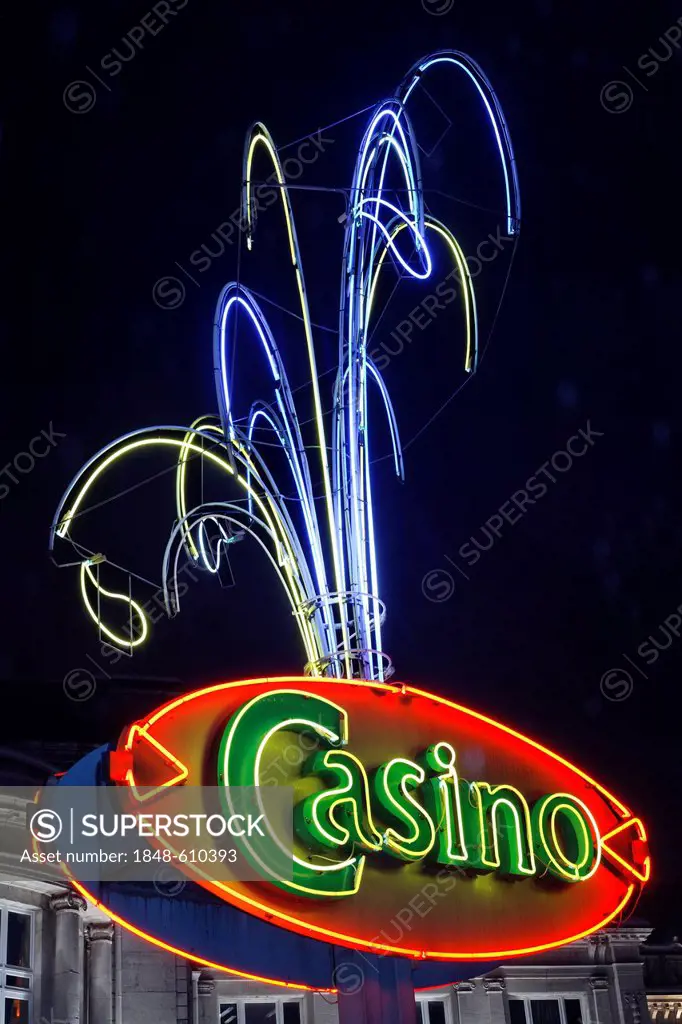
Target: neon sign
395	789
392	788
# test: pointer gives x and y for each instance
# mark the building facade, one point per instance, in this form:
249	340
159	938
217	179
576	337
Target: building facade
63	960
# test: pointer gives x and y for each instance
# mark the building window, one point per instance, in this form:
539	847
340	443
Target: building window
546	1011
16	963
431	1011
261	1011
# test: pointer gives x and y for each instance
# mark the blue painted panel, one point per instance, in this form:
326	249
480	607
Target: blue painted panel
197	923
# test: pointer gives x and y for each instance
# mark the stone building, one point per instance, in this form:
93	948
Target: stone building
64	960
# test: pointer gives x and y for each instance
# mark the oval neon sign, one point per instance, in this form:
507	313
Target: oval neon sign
422	829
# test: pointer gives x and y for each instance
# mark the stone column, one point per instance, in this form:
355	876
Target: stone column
601	999
99	938
462	1002
208	1013
495	990
68	981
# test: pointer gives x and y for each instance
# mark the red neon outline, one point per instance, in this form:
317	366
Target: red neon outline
290	984
265	911
181	952
388	688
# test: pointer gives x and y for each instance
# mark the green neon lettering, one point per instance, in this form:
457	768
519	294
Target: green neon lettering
500	817
239	757
443	802
566	837
340	816
410	834
413	810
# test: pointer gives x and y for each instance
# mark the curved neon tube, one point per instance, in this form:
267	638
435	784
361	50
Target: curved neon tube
392	421
303	488
121	641
468	293
141	442
220	511
496	116
389	239
181	477
259	135
224	390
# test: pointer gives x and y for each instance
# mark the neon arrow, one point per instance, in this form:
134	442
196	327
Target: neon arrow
628	847
160	755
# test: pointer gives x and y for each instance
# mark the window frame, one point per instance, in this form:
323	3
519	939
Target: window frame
557	997
443	1000
8	991
241	1002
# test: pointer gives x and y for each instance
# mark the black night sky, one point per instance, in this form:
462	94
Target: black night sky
105	200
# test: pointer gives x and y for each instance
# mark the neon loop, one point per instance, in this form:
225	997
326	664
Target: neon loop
562	821
407	154
389	238
222	512
122	641
389	140
223	386
213	565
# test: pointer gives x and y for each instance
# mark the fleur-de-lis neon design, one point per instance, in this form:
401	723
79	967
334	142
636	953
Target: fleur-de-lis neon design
324	555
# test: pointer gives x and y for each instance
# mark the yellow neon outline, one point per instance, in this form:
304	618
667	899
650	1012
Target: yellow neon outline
332	737
569	805
477	788
391	689
345	939
447	782
121	641
342	799
183	771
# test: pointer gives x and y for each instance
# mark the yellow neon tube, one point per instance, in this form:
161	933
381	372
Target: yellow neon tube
63	529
